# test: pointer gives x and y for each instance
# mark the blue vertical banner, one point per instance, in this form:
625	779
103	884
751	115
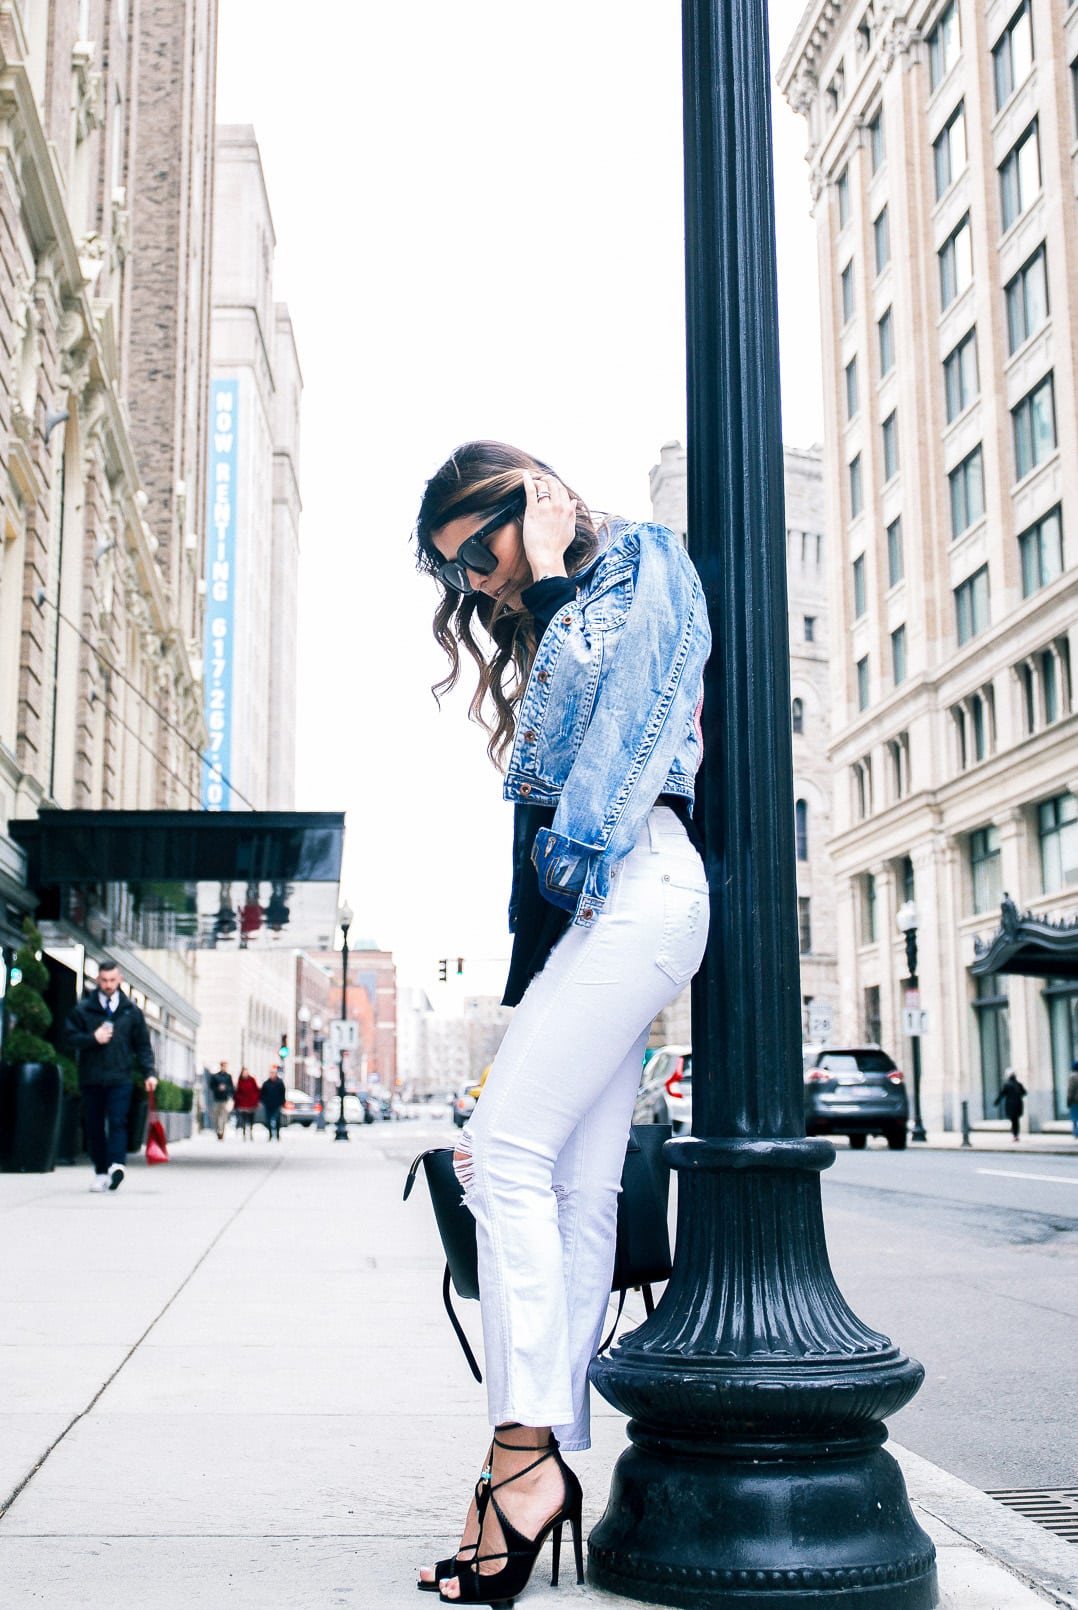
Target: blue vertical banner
220	629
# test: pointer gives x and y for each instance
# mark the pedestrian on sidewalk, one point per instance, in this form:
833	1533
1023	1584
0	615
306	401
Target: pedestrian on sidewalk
273	1094
108	1034
1072	1097
589	635
222	1091
1011	1097
246	1101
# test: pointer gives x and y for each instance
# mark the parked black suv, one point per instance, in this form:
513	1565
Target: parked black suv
856	1091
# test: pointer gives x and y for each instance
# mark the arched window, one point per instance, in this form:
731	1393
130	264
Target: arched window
797	711
801	829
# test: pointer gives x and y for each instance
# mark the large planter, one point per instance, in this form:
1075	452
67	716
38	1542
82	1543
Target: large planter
137	1121
30	1103
70	1143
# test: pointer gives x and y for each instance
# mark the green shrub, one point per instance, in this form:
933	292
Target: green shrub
171	1097
28	1016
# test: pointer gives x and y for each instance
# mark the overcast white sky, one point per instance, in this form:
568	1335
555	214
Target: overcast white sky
478	210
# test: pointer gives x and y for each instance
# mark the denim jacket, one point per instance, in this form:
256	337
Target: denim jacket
608	720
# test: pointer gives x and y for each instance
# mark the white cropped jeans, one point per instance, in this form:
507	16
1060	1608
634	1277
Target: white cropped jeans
546	1143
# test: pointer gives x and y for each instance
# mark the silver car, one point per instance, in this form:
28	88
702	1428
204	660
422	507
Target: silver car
665	1094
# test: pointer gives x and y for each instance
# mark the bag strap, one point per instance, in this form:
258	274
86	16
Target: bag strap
447	1299
649	1309
412	1172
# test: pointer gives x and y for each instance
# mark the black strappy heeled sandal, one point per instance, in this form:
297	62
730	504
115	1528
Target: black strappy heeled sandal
520	1553
466	1553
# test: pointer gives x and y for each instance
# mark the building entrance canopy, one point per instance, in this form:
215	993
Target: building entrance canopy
188	880
1030	945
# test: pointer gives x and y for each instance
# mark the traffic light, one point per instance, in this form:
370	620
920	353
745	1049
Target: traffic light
283	1052
443	968
460	965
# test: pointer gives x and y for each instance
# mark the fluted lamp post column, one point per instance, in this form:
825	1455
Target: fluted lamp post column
344	922
755	1475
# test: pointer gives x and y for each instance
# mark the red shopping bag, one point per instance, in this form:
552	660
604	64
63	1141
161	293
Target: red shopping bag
156	1143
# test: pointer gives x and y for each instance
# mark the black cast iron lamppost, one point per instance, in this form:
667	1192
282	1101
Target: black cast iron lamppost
344	919
755	1475
906	921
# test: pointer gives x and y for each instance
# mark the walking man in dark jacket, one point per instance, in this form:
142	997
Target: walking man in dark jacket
107	1031
273	1096
1011	1097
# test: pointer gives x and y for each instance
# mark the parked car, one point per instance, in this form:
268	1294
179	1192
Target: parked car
300	1108
462	1105
665	1094
856	1091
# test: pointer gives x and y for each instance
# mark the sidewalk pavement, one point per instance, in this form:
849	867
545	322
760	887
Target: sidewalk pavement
1052	1143
232	1383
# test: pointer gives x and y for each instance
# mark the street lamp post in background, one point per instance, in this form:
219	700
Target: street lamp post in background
906	919
303	1018
755	1475
344	918
320	1052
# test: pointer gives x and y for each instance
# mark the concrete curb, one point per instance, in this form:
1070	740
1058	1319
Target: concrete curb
1036	1556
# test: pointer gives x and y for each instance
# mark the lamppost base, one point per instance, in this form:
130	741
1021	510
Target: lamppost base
761	1526
918	1132
340	1130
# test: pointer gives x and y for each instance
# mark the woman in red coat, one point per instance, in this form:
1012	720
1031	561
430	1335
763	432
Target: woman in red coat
246	1102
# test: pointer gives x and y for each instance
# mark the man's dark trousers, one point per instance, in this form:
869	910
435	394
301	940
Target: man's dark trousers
104	1110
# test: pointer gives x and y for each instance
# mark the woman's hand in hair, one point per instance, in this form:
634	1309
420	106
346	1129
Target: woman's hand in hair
549	525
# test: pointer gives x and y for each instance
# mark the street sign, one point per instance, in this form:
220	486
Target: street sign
344	1034
820	1021
914	1022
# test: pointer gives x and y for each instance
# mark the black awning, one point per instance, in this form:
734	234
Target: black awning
188	879
1030	945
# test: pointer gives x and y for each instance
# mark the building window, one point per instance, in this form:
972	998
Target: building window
993	1037
864	34
868	909
842	187
944	43
810	628
875	142
1041	549
986	878
1057	826
847	293
906	880
1012	56
895	570
1034	428
797	715
881	237
859	587
1020	176
862	683
804	925
971	605
966	482
898	751
801	826
1027	301
1061	999
836	90
856	492
890	446
898	654
977	726
1049	686
949	150
873	1030
956	263
886	329
862	786
851	388
958	715
960	383
1029	696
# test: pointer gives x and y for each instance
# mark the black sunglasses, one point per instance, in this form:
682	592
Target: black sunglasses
473	553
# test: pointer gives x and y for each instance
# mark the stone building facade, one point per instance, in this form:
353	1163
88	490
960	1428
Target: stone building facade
100	607
941	138
810	655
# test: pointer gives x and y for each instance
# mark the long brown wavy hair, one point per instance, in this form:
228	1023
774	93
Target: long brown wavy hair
477	479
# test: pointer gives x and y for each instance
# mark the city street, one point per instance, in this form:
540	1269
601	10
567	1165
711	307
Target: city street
233	1379
969	1260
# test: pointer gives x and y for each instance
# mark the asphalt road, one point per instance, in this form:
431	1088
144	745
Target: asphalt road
969	1262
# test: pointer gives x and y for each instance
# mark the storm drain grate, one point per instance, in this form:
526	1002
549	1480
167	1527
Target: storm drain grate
1054	1508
